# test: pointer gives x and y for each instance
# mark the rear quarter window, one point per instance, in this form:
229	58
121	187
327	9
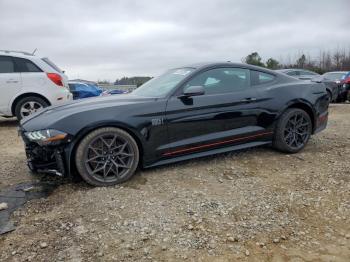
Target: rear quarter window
260	78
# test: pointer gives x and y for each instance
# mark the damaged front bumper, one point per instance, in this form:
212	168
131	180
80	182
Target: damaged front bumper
49	159
45	160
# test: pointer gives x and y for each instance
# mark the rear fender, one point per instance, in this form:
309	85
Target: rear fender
304	105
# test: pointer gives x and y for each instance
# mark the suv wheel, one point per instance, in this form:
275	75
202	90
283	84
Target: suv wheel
29	105
107	156
293	131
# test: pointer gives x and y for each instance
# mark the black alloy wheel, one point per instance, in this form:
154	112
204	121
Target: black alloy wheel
293	131
107	156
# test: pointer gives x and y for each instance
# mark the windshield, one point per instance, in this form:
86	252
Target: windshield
334	76
161	86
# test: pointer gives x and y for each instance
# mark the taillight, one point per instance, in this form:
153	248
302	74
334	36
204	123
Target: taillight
56	78
347	80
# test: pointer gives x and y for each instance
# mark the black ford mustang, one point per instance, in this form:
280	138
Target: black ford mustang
187	112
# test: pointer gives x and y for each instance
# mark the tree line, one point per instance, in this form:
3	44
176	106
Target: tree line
136	80
338	60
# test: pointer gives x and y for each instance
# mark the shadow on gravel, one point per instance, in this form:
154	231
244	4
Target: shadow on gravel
8	122
18	195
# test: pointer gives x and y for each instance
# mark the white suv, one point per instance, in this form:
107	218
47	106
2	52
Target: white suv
29	83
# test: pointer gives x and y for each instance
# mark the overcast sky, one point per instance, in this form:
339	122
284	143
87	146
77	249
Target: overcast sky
99	40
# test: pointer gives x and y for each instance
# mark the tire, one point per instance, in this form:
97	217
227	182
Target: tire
330	98
98	161
29	105
289	138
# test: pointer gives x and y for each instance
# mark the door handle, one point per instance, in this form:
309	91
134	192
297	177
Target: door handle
248	100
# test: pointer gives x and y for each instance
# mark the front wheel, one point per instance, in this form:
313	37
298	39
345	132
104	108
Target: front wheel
293	131
107	156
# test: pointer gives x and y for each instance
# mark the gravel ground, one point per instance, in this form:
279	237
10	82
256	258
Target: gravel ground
254	205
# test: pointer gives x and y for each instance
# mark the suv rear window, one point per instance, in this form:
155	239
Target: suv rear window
25	66
6	65
51	64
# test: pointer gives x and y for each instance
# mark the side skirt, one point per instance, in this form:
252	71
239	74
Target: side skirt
208	153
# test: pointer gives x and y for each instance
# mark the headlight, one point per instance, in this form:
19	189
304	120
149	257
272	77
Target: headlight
45	137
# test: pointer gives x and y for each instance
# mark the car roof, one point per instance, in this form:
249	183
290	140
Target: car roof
21	54
203	65
293	69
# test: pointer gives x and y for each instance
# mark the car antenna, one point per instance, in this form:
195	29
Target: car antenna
34	51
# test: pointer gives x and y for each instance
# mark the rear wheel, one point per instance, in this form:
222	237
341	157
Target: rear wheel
107	156
29	105
293	131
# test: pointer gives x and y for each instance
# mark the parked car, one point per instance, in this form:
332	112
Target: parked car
345	91
301	74
84	90
333	82
332	89
114	92
185	113
29	83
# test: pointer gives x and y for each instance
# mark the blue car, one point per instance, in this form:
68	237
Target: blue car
114	92
84	90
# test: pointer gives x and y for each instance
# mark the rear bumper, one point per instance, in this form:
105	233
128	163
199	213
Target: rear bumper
61	97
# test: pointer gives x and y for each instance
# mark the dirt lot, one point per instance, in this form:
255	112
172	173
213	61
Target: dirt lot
254	205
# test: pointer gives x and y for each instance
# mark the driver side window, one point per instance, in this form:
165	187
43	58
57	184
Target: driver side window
222	80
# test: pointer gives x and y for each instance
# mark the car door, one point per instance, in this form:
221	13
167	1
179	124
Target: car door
10	84
227	114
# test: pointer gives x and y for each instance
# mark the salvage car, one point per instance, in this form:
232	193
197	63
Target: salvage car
334	87
345	88
187	112
301	74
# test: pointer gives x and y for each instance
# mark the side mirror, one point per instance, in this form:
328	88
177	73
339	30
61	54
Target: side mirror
193	91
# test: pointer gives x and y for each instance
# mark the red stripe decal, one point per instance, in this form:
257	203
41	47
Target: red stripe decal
215	144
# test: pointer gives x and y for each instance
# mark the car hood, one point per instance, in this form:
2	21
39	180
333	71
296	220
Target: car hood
49	115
